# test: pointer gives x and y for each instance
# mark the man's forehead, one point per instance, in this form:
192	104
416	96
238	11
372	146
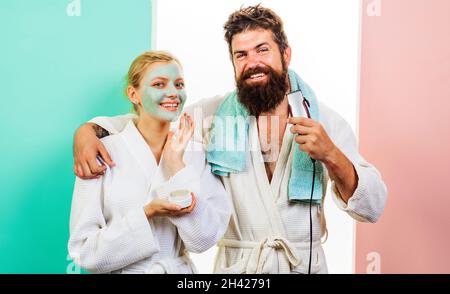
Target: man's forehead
249	39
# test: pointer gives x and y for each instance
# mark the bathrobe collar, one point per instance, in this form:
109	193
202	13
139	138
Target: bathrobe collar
269	191
140	150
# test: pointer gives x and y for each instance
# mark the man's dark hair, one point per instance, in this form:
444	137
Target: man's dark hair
255	17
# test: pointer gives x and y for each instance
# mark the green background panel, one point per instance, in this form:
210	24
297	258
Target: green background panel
56	72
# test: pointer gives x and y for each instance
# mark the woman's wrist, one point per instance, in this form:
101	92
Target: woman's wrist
174	167
148	210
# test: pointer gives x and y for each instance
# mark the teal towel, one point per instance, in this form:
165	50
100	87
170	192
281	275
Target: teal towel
227	155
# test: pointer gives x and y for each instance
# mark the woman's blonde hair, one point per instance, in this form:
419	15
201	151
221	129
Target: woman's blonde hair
141	64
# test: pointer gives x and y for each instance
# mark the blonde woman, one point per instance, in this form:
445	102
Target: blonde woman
123	222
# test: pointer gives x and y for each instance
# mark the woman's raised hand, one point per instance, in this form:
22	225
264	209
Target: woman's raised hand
176	143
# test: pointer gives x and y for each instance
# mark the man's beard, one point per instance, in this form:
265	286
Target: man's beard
262	97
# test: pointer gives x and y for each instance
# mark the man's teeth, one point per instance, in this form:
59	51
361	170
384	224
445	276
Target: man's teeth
256	76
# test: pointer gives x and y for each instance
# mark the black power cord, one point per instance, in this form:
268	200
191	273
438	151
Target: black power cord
306	106
310	215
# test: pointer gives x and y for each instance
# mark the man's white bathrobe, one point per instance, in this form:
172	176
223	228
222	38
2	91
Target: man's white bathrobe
109	231
267	234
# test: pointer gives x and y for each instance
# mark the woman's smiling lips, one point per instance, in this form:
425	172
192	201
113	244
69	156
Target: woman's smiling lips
169	105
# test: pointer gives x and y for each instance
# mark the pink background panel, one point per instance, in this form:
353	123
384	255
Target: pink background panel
404	129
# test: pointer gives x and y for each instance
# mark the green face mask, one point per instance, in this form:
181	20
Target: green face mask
162	94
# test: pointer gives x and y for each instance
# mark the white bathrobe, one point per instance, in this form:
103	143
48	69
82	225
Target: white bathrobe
267	234
109	231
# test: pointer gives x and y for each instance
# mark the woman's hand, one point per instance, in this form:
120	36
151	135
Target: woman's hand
176	144
161	207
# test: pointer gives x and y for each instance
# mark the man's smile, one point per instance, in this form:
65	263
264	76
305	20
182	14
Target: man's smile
257	77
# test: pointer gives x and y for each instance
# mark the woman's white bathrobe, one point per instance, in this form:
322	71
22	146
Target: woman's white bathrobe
267	234
109	231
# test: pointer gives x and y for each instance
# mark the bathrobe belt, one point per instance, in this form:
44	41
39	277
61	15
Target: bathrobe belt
263	249
169	265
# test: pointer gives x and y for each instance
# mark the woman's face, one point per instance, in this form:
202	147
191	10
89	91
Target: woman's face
162	91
